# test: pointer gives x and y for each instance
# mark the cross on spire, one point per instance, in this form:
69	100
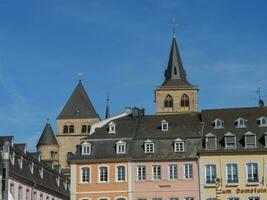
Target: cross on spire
174	26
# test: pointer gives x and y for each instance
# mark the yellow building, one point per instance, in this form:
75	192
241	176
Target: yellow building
233	162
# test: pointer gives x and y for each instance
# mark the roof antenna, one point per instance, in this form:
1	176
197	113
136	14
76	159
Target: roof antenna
260	100
80	75
173	26
107	108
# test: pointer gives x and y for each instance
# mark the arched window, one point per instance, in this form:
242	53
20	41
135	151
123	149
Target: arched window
65	129
185	101
71	129
175	71
168	102
83	128
88	128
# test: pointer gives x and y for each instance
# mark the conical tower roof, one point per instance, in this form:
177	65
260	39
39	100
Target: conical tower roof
175	74
78	105
47	137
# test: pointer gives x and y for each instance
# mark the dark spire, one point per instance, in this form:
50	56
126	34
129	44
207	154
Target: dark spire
47	137
175	74
78	105
107	115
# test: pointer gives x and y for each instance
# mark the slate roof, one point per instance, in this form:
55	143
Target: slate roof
24	175
136	130
47	137
229	117
78	105
175	74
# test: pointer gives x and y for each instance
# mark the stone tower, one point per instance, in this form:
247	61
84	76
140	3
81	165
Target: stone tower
74	122
176	94
47	145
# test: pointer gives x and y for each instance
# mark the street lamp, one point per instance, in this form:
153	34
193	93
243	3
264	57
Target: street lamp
5	173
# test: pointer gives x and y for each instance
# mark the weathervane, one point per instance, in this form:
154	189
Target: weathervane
174	26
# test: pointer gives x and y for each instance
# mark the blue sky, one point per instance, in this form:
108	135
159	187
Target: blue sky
122	47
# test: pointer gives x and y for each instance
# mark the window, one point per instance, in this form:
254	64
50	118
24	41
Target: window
121	173
173	198
188	198
141	173
86	128
112	127
185	101
179	146
240	123
230	141
149	146
85	175
86	148
173	172
254	198
218	123
188	171
71	129
168	102
265	139
164	125
262	121
103	174
41	197
120	147
210	141
34	195
156	170
20	193
28	194
252	173
250	140
210	174
232	173
66	129
156	198
233	198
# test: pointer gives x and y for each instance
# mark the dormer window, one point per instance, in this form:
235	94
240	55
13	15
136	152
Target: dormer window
12	158
20	161
120	147
86	148
240	123
31	167
210	142
218	123
41	172
230	141
149	146
178	145
164	125
250	140
262	121
112	127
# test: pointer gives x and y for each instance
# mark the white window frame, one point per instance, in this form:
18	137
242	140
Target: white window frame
227	135
112	127
143	175
258	176
120	145
205	169
164	125
254	198
207	136
226	174
179	146
99	173
117	173
255	140
156	172
188	176
239	120
261	124
89	174
172	176
218	126
149	146
86	148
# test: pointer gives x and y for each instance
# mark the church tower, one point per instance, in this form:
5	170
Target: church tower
47	145
176	94
74	122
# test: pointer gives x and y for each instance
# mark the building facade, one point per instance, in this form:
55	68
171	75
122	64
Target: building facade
25	177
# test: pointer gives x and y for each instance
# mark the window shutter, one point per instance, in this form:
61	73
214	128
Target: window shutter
211	143
250	139
230	139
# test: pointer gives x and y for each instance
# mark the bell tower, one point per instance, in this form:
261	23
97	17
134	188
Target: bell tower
176	94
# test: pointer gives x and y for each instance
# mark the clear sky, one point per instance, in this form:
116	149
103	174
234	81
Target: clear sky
122	47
